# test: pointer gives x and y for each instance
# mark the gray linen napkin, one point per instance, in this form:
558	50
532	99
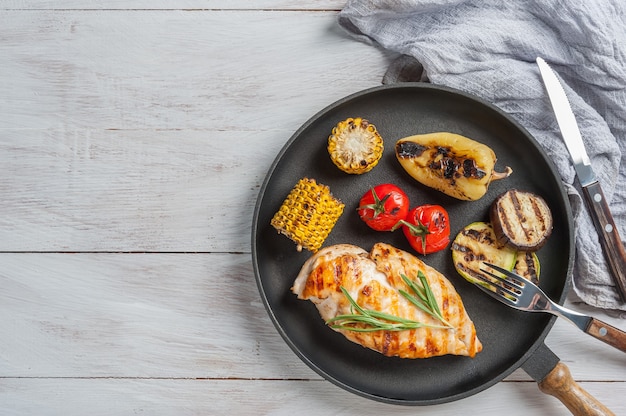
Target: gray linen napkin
488	48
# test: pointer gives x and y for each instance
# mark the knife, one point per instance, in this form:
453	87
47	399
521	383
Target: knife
610	240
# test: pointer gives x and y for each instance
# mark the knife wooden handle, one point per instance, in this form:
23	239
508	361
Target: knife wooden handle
560	384
609	236
607	333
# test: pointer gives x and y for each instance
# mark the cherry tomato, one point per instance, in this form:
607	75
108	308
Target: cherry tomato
383	206
427	228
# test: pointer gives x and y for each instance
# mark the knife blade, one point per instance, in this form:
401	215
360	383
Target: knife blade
604	223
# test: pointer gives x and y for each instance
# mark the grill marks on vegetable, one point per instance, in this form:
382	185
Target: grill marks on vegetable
521	220
453	164
521	217
521	223
475	245
409	149
443	159
474	237
527	265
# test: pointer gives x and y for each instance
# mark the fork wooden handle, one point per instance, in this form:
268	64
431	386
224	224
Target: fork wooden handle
607	333
560	384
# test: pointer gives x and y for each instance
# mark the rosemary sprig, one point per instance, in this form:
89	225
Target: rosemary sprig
426	301
380	321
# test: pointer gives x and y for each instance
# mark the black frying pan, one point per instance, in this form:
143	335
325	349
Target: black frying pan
510	338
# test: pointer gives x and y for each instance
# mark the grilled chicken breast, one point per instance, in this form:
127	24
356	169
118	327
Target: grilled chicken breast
373	280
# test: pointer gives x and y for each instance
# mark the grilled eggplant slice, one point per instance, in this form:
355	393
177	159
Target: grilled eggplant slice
476	244
521	220
453	164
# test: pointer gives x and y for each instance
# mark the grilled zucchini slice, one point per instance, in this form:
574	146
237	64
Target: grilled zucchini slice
476	244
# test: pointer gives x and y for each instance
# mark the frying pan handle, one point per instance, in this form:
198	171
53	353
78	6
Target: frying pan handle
560	384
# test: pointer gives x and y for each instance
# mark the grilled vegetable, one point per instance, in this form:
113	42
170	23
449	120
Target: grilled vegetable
383	206
355	145
527	265
476	244
308	214
521	220
427	228
451	163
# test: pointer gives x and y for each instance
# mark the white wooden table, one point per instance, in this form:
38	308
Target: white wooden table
134	137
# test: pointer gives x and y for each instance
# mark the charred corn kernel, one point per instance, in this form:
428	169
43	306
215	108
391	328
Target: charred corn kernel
308	214
355	145
453	164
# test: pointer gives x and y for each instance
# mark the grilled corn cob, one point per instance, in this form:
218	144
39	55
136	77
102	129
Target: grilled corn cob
355	145
451	163
308	214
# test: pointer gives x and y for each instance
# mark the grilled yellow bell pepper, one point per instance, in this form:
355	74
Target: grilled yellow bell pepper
453	164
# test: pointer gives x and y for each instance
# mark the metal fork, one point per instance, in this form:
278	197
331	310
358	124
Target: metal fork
519	293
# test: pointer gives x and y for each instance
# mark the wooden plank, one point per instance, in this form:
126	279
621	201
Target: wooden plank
173	5
112	190
175	316
181	70
181	397
137	315
107	153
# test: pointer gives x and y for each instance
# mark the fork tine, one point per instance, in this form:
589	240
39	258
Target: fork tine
500	279
509	274
500	290
495	295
